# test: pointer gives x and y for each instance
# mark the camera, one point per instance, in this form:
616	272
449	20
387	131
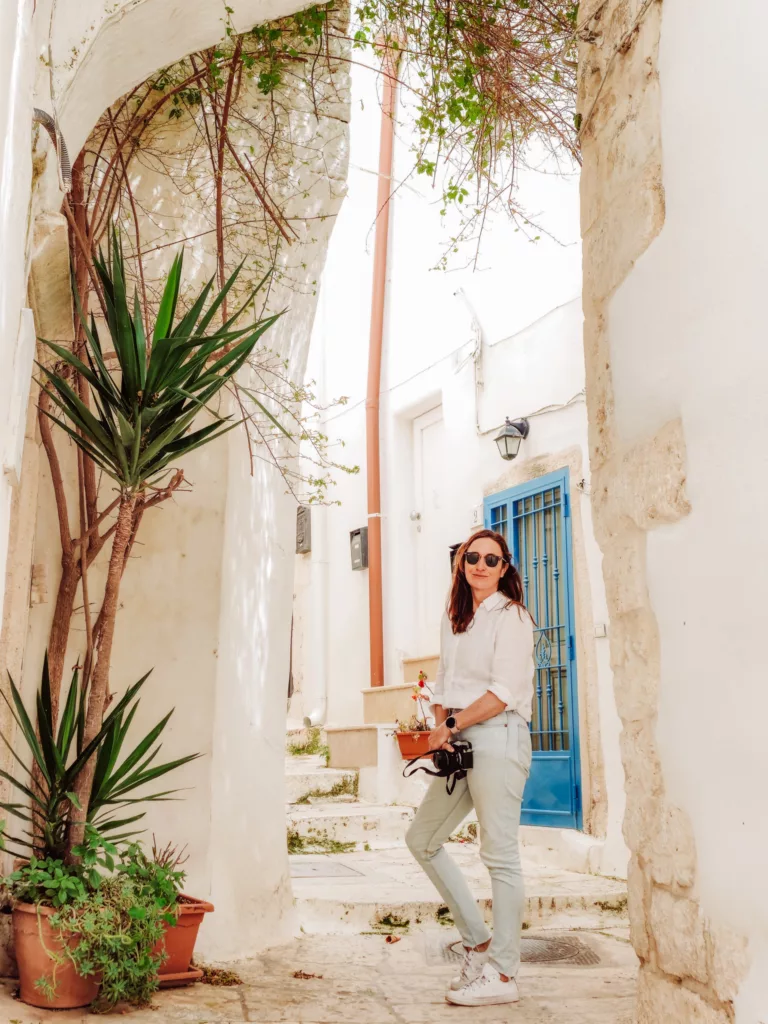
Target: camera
449	762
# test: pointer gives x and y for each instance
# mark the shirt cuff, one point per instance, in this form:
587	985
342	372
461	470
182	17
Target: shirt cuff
501	692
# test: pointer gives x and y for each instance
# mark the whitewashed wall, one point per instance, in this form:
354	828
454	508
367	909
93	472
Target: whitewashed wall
525	297
207	599
688	340
16	76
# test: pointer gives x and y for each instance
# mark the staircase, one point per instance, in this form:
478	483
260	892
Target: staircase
368	746
353	873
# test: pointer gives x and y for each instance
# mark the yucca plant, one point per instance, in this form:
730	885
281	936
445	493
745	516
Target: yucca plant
141	422
59	755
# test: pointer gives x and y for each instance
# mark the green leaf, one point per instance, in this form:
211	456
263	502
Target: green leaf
266	411
141	340
168	302
28	731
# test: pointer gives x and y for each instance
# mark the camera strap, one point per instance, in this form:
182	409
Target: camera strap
450	780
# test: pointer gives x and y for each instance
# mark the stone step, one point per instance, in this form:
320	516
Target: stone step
385	890
363	824
427	663
307	778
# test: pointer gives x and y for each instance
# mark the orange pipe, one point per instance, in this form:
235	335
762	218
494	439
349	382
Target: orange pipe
373	457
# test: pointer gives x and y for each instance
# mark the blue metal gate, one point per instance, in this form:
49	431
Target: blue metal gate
535	520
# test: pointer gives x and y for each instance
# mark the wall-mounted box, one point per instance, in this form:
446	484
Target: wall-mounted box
453	551
303	530
358	545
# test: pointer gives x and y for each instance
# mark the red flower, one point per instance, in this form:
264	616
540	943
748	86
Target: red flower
414	696
421	682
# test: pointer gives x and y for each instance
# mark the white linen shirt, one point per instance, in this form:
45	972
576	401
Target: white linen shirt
495	654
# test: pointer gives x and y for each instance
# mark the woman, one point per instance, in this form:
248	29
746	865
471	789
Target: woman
483	694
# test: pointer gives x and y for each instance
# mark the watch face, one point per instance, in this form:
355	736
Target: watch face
450	722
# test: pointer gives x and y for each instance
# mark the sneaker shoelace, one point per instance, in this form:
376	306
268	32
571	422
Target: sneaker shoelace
469	959
479	982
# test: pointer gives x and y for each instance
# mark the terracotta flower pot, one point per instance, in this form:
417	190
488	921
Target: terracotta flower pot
35	940
413	744
179	943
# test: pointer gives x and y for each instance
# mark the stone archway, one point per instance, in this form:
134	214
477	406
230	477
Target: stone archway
211	605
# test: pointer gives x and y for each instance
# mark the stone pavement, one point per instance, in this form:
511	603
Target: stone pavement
358	891
365	980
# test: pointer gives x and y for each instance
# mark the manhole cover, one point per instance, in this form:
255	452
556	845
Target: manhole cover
547	949
556	949
321	869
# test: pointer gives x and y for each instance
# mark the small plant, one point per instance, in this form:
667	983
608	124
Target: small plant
57	756
157	877
468	834
115	907
313	744
118	928
348	786
419	721
316	841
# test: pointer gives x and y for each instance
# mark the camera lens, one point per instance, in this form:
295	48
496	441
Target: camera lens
440	759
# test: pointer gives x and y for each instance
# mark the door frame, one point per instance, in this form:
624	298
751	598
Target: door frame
558	478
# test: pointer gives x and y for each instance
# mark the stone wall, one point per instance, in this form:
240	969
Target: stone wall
690	968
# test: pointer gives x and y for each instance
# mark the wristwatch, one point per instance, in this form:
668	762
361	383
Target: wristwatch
451	723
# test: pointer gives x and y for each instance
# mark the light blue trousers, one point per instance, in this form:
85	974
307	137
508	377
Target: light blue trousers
494	787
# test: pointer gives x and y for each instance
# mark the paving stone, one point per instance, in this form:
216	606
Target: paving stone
365	980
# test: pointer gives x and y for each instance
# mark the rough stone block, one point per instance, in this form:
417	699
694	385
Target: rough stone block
621	235
651	486
635	660
673	851
661	1001
729	960
623	566
678	930
637	893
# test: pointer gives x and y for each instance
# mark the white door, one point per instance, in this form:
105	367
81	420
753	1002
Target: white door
433	532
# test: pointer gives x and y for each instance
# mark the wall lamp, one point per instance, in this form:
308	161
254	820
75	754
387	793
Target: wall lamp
512	435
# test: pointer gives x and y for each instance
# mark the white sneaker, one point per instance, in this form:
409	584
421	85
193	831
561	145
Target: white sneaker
487	990
471	968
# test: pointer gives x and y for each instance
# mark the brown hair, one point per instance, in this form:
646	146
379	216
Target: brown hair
460	604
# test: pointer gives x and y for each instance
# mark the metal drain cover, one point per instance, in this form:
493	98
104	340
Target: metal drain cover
544	949
556	949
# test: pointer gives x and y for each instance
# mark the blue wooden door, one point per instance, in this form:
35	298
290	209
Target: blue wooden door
536	522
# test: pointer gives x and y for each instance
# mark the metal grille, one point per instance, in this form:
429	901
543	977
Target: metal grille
549	949
540	544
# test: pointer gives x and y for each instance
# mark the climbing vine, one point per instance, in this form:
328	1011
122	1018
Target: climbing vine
483	82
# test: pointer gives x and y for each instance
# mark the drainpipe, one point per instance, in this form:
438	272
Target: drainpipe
316	665
318	621
373	456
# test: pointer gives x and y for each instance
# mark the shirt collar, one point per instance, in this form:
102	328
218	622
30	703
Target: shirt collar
495	600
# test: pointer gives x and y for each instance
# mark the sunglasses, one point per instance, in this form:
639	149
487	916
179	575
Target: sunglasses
473	557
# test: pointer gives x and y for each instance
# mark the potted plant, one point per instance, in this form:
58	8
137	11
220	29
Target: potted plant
413	735
162	874
87	927
86	933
